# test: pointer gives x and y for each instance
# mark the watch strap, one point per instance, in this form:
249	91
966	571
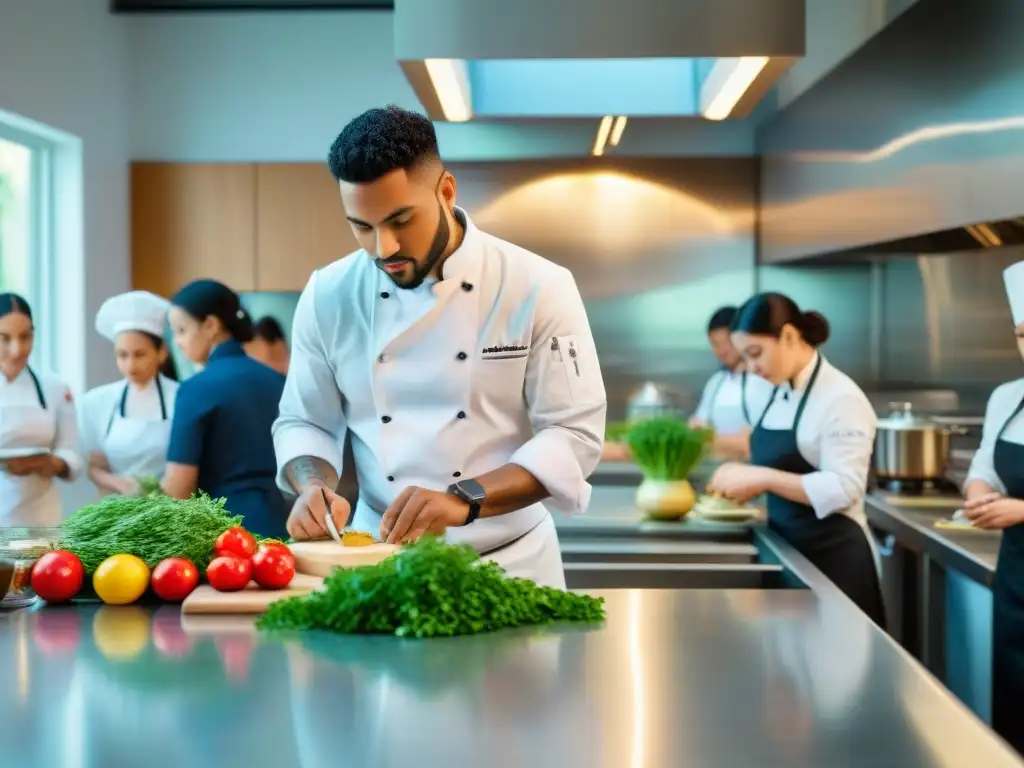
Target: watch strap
473	494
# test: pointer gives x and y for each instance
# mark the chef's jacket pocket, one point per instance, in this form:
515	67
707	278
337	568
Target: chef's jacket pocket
501	377
579	365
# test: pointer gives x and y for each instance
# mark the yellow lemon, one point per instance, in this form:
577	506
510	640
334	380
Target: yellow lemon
122	633
120	579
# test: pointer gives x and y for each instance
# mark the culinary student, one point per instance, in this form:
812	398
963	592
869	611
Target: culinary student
38	429
733	399
126	425
220	434
269	345
811	448
461	366
994	494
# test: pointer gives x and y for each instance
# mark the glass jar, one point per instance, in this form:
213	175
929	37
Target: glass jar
20	548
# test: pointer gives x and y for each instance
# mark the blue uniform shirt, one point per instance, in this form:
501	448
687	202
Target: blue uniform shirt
221	425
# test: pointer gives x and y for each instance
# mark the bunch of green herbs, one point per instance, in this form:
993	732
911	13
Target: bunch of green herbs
149	485
150	527
429	588
667	448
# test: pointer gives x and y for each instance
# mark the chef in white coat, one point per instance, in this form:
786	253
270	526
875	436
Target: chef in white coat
734	398
462	367
994	493
810	450
126	425
38	430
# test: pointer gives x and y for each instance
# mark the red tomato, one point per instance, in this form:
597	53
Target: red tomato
174	579
273	568
229	573
235	541
57	576
274	545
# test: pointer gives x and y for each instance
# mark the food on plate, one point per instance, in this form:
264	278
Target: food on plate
715	504
229	573
120	579
152	528
273	567
57	576
357	539
429	588
235	541
174	579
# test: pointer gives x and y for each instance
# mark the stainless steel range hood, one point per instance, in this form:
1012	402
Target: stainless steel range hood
915	144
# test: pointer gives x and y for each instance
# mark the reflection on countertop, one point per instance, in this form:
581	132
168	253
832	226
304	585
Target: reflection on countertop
710	678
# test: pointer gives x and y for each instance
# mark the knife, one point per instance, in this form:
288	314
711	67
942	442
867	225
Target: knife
329	518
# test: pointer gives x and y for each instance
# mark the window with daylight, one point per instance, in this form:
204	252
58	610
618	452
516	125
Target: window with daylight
26	252
15	217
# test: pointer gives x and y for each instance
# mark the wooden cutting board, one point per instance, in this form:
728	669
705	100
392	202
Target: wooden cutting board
251	601
319	558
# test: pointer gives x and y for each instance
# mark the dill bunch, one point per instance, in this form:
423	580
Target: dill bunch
666	448
430	588
150	527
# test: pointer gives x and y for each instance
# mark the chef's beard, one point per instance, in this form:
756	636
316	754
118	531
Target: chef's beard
422	269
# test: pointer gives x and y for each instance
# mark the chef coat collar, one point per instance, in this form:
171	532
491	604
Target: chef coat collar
226	349
798	382
464	262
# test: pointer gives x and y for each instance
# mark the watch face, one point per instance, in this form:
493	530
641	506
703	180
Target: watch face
471	491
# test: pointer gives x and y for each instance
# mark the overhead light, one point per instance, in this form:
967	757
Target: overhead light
617	128
603	132
609	133
451	84
727	83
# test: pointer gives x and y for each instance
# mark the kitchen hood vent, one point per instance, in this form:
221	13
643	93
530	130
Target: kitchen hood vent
973	237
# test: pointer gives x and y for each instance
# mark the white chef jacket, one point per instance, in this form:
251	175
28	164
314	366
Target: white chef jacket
836	435
722	402
494	364
1001	404
100	410
24	423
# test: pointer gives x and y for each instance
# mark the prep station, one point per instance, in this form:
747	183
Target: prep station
725	649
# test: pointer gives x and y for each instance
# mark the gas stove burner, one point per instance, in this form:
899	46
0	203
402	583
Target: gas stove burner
906	487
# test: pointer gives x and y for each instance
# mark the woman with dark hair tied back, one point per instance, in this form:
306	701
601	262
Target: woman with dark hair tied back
38	429
733	397
126	425
269	345
811	448
220	435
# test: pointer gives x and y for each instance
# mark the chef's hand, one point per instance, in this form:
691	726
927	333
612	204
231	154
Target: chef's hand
995	514
127	486
306	520
739	482
417	511
982	500
45	465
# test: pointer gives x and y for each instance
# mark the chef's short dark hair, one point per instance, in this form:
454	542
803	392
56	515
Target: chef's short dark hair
379	141
203	298
11	303
766	314
722	318
268	329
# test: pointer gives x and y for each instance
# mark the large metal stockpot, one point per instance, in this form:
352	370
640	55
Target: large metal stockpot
911	447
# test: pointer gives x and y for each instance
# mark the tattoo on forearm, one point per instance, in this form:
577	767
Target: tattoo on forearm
306	469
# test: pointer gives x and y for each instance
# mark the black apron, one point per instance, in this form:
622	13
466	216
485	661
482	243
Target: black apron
836	545
38	386
743	396
1008	602
119	409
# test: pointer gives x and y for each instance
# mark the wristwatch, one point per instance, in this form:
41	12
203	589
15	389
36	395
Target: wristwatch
471	492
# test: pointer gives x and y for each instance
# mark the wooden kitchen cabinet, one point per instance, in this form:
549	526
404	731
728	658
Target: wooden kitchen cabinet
300	224
190	221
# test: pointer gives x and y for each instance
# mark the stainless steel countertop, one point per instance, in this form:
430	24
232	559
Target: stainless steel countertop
716	679
911	521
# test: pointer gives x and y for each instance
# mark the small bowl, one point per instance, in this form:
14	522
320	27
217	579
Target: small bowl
20	549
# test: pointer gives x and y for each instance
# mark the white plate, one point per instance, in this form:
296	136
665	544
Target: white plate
736	514
21	453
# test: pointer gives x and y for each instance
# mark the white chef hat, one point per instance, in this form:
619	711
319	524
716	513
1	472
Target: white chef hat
132	311
1013	276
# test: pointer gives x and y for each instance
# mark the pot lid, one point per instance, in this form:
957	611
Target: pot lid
902	416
